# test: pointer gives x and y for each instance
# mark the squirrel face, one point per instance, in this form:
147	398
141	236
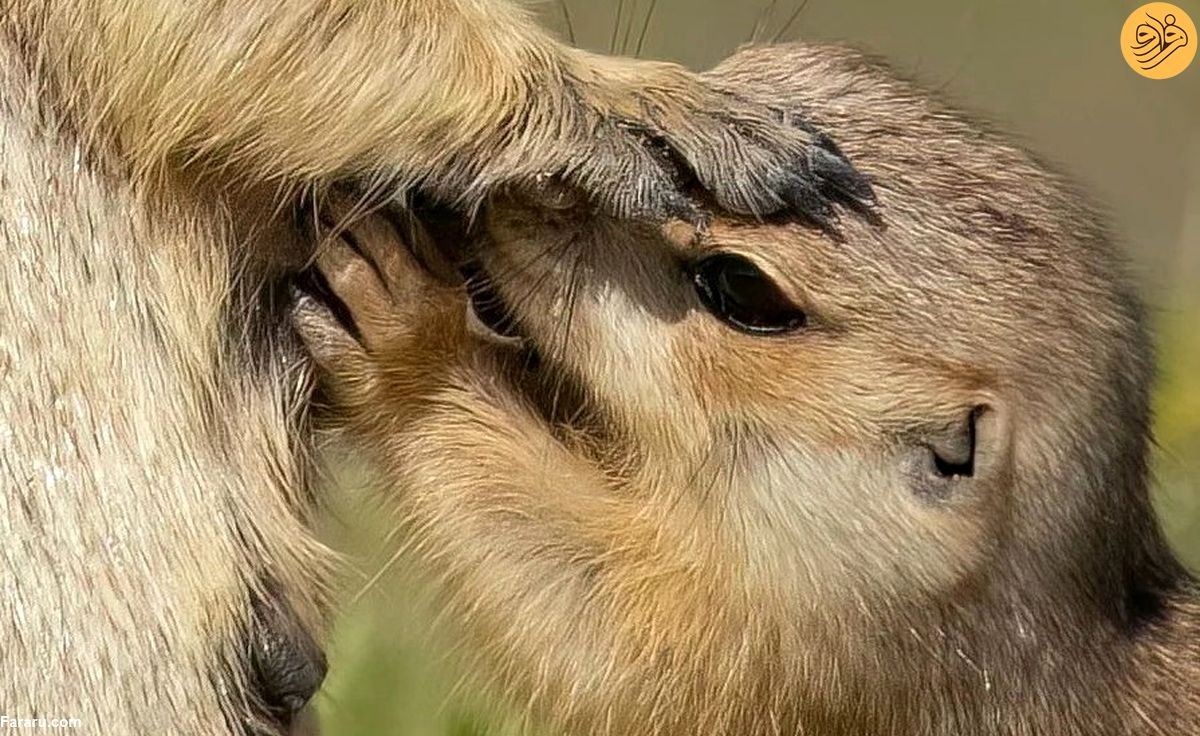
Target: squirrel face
901	406
761	458
776	375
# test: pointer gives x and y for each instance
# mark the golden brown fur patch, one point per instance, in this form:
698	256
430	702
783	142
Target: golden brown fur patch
725	533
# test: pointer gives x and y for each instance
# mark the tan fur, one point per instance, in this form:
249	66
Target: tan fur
673	528
152	407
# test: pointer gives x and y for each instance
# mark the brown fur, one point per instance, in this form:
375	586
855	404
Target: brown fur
676	528
152	404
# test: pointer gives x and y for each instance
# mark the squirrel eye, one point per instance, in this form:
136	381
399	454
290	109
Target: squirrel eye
739	294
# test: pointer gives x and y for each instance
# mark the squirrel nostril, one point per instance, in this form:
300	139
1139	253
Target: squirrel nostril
288	665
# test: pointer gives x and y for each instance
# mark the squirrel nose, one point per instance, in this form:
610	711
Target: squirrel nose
288	665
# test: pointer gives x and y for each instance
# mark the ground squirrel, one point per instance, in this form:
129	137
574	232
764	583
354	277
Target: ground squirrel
760	478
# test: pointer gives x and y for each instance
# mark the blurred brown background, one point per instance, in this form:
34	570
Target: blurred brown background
1049	72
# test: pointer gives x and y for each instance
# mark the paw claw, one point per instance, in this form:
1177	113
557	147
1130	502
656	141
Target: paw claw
742	165
671	131
287	664
680	207
838	176
809	201
323	324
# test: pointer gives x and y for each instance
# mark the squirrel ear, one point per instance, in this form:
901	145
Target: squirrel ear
961	455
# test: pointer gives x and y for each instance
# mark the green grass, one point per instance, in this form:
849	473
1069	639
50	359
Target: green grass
1177	429
388	675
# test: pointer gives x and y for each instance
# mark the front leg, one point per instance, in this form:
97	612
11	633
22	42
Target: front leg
454	96
599	606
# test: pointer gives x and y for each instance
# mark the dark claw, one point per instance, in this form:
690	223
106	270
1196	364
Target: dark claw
811	203
678	206
838	175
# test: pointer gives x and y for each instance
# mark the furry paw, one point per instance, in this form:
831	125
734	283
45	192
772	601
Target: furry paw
371	274
379	293
646	134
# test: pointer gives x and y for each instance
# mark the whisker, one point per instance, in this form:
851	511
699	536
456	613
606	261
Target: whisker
566	13
633	8
517	305
573	289
764	18
555	251
564	324
520	268
645	27
612	42
791	19
692	479
379	574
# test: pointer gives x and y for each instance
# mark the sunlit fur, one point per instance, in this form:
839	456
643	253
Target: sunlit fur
692	530
453	95
152	404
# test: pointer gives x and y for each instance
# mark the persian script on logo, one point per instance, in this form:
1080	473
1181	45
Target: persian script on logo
1158	40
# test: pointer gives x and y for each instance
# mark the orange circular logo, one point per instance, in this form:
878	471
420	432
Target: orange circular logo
1158	40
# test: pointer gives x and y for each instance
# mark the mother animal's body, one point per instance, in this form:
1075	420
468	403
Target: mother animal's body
754	479
152	403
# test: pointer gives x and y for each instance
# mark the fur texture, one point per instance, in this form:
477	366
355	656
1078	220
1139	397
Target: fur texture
152	406
655	524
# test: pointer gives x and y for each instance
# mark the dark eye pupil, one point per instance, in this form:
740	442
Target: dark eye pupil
735	291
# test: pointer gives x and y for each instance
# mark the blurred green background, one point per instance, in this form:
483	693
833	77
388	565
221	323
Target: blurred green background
1049	72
